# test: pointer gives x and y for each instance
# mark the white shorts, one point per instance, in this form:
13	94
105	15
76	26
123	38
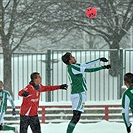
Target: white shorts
78	101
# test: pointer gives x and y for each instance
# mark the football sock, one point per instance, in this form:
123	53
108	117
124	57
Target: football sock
70	127
7	128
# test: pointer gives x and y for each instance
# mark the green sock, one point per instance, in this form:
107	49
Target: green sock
70	127
7	128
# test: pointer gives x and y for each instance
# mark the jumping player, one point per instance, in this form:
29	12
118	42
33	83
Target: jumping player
4	96
127	100
78	84
30	103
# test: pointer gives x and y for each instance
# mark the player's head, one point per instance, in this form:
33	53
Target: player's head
36	78
68	59
128	79
1	85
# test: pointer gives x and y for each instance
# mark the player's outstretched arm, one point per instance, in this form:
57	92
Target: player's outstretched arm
97	68
93	69
52	88
90	63
9	97
93	62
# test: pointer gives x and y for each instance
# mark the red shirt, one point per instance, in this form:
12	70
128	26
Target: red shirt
30	103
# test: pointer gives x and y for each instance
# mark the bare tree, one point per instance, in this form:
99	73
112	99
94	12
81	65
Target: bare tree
23	20
0	22
112	23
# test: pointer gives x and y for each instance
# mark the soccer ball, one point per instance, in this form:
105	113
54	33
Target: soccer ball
91	12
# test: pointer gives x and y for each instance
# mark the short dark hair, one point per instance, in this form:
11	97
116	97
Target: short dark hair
34	75
128	78
66	58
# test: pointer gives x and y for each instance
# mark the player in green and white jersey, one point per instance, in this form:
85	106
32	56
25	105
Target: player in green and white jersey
78	84
4	95
127	100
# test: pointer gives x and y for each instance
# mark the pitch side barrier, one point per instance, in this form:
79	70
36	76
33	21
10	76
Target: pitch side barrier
102	86
97	113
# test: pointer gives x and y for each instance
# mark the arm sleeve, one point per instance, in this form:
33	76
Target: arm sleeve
49	88
125	110
89	64
94	69
9	97
21	91
76	69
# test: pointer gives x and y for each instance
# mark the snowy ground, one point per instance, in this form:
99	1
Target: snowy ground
100	127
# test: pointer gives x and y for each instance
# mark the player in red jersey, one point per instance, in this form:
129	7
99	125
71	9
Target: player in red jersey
30	103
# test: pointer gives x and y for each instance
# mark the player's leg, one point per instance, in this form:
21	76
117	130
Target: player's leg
74	121
35	124
7	128
24	123
78	101
2	114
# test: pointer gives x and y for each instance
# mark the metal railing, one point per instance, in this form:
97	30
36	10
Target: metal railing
106	113
101	85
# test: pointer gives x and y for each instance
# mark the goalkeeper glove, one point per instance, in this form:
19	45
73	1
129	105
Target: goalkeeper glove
106	66
103	59
64	86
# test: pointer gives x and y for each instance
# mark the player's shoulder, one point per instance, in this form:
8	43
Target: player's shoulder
128	92
75	65
29	86
7	92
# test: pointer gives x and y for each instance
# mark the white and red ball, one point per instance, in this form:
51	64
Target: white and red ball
91	12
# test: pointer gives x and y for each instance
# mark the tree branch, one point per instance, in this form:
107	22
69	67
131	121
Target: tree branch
12	21
23	36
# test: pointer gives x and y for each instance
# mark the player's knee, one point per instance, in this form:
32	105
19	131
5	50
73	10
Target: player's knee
76	116
75	120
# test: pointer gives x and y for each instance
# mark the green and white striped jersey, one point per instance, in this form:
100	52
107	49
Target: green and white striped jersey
75	75
4	95
127	102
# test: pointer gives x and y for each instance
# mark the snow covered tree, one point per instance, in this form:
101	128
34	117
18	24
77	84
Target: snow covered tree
21	21
112	23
